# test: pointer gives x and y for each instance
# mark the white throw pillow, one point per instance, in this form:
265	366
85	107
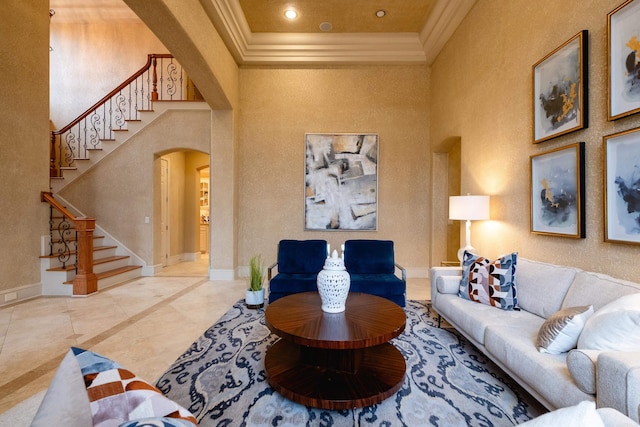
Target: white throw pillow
581	415
560	332
616	326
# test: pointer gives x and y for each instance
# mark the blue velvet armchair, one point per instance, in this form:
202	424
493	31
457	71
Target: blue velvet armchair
372	267
298	265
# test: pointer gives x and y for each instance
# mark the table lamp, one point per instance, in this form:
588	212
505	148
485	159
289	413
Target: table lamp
468	208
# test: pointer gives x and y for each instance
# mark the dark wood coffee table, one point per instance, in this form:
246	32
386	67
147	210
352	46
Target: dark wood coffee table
335	360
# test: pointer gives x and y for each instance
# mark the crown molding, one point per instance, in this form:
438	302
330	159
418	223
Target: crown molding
334	48
441	24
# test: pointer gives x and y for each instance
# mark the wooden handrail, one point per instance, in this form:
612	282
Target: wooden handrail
47	197
122	85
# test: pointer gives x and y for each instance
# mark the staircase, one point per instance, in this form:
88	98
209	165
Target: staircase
107	145
76	261
109	267
60	261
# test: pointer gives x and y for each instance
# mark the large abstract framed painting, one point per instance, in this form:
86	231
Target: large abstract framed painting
624	59
557	192
622	187
560	90
341	181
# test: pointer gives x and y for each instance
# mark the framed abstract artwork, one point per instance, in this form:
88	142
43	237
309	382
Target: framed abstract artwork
341	181
624	59
557	192
622	187
560	90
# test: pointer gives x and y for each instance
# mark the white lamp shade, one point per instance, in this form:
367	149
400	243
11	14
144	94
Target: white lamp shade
468	207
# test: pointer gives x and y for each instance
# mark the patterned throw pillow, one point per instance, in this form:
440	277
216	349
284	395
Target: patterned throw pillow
118	395
490	282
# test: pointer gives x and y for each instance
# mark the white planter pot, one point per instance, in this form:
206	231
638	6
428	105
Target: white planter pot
254	299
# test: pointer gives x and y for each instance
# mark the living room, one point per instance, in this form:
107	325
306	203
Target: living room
478	89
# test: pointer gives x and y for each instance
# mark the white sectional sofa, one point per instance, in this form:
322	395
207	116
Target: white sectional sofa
611	379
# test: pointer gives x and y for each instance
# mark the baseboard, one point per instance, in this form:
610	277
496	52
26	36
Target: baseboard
220	274
151	270
194	256
19	294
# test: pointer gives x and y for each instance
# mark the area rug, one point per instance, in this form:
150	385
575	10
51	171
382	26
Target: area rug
221	380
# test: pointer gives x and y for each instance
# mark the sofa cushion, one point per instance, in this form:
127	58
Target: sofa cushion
490	282
369	256
513	346
560	332
616	326
542	287
111	394
596	289
301	256
582	367
473	319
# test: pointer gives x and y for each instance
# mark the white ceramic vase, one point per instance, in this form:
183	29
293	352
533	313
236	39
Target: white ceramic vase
333	284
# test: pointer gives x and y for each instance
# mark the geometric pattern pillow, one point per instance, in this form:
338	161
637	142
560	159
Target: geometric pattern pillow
490	282
117	395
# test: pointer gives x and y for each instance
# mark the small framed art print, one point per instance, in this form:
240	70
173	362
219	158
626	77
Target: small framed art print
624	59
557	192
622	187
560	90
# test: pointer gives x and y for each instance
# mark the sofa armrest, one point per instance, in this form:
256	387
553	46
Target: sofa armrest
618	385
269	270
441	271
403	271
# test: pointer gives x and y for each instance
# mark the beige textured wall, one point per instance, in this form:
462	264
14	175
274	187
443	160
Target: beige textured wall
126	181
24	141
278	106
90	60
481	86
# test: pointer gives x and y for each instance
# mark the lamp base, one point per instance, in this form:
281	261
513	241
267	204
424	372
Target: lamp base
467	248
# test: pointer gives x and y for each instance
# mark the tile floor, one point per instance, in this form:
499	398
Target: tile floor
144	324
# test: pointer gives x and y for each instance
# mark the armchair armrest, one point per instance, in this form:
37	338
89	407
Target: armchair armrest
403	271
618	374
271	267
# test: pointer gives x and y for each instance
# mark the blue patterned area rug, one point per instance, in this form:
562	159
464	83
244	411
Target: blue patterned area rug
221	380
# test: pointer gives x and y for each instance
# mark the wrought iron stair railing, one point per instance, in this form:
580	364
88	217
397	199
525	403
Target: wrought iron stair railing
162	78
85	281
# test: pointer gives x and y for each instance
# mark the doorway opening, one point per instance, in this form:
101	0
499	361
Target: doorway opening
182	203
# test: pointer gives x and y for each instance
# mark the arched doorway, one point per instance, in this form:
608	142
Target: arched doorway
181	201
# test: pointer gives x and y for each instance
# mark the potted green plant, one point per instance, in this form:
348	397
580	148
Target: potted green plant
254	297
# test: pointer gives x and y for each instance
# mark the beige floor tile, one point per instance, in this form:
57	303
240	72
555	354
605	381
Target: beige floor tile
144	324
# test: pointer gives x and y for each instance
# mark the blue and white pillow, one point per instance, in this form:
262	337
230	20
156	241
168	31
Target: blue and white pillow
490	282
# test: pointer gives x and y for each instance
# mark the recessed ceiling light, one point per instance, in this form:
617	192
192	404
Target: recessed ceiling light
326	26
380	13
291	14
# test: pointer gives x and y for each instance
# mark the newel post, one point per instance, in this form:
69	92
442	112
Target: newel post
85	282
154	93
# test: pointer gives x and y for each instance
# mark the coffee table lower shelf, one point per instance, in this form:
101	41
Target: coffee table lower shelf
335	379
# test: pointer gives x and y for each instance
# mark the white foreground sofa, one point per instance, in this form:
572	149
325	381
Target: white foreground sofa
611	379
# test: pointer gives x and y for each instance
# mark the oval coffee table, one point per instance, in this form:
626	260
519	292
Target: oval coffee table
335	360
